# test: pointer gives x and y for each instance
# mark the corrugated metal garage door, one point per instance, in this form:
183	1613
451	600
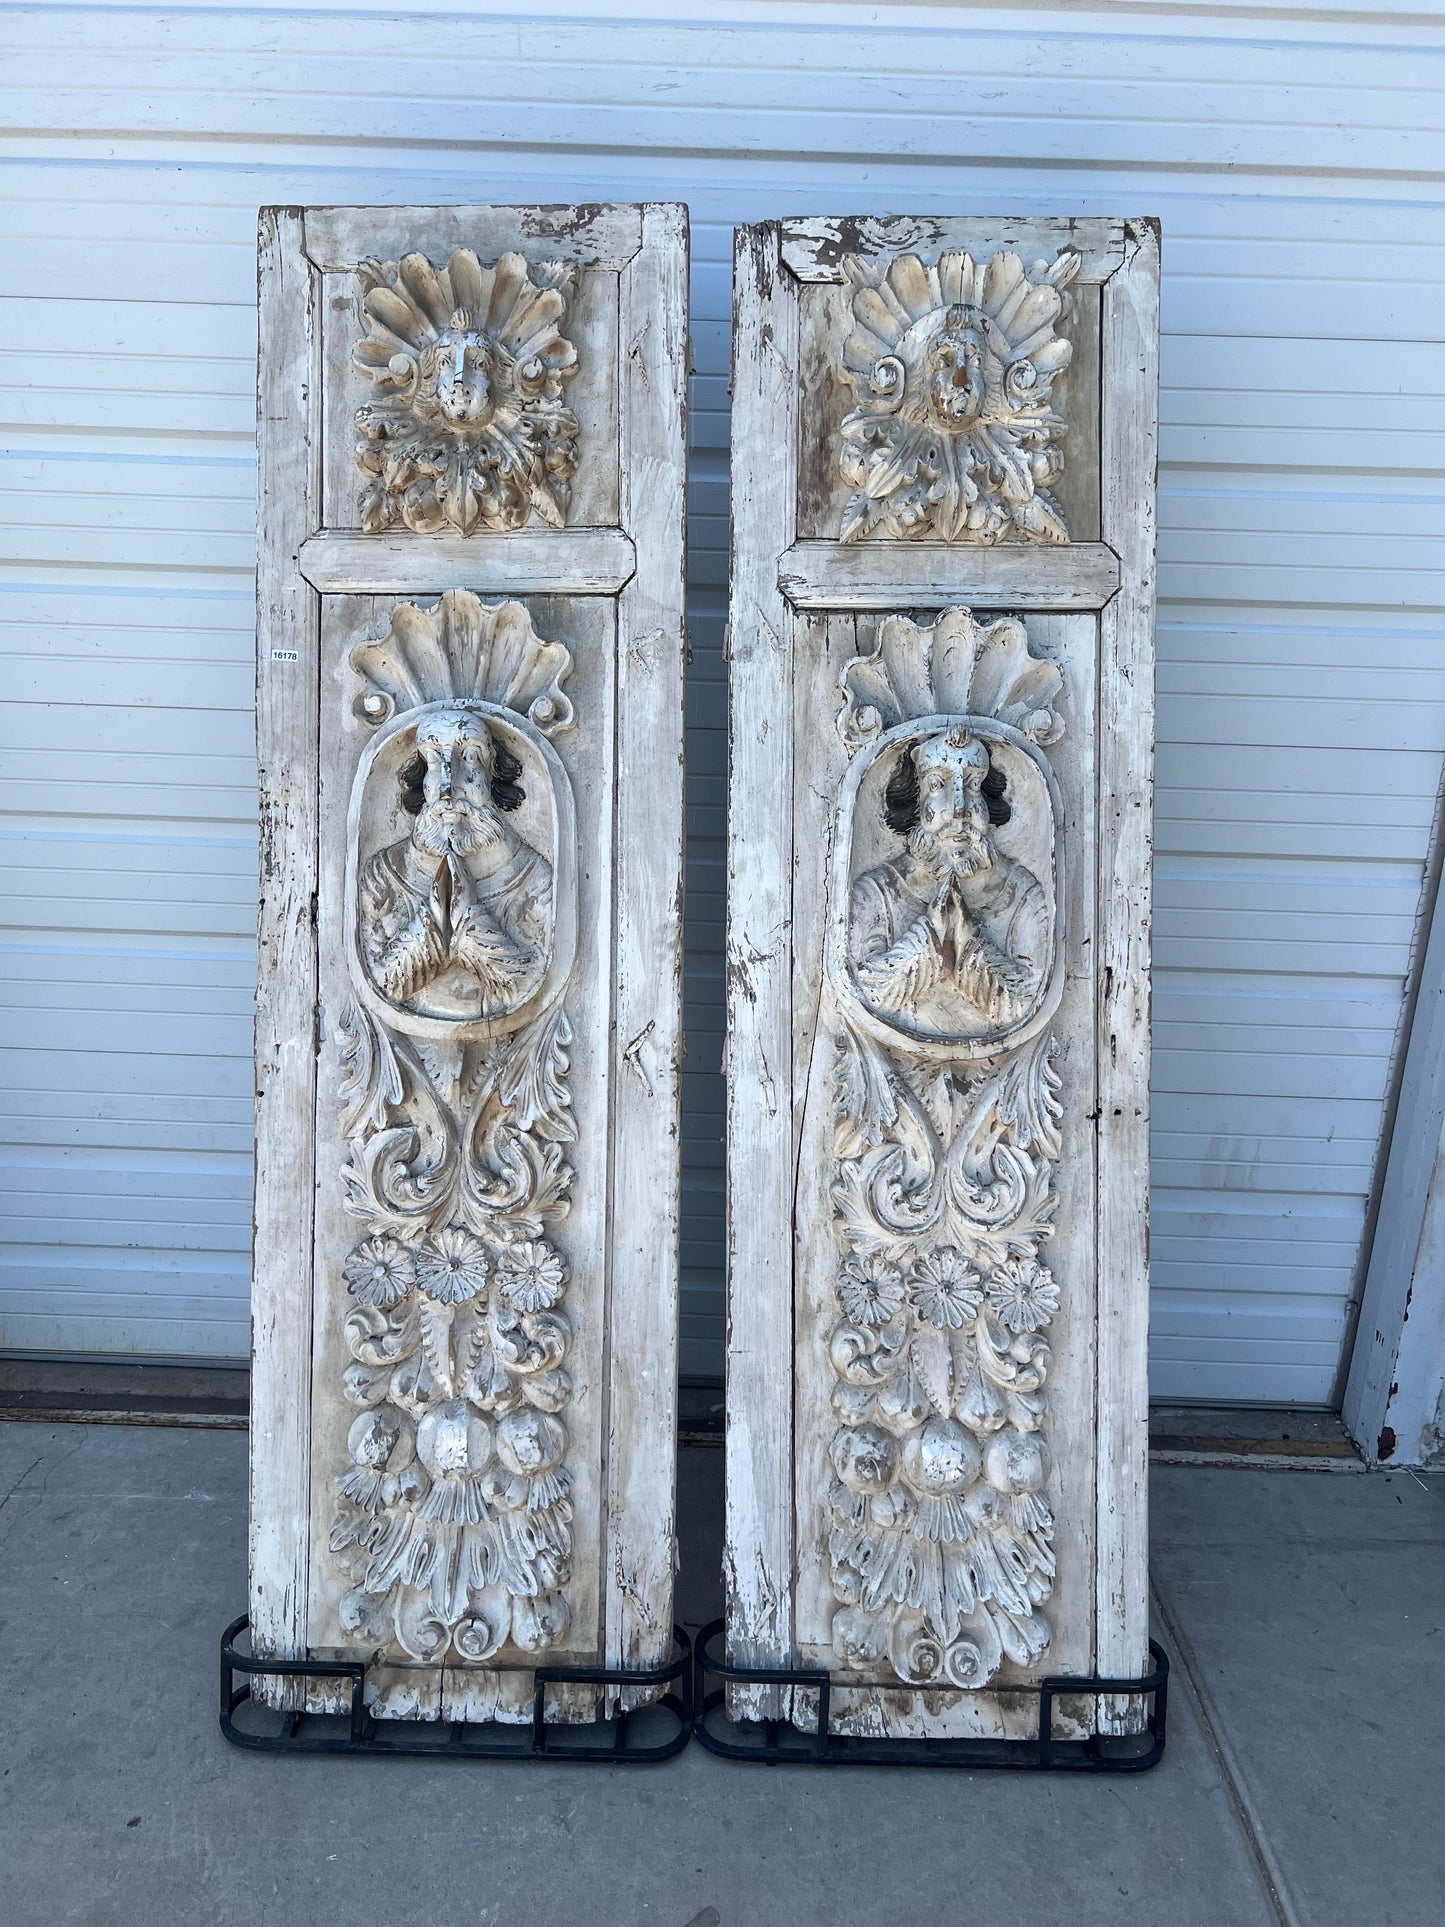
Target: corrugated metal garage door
1302	711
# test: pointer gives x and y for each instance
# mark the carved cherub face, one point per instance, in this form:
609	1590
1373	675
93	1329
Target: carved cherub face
953	363
457	812
466	429
959	370
460	373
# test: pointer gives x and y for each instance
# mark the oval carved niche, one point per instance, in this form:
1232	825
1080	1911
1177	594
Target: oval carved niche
461	868
945	934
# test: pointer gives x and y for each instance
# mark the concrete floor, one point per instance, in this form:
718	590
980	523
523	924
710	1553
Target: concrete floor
1305	1612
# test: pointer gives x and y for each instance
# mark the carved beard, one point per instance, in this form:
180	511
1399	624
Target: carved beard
958	851
455	829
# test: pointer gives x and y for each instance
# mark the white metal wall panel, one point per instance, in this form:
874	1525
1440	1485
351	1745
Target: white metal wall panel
1296	163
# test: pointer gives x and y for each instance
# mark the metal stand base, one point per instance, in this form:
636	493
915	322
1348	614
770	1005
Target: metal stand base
614	1742
777	1741
695	1709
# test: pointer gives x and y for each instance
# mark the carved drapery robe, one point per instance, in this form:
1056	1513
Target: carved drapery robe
476	946
969	966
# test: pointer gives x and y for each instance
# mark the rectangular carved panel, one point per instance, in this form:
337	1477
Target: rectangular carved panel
941	647
470	658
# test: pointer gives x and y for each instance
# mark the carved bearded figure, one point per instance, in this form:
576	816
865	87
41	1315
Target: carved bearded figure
951	937
456	918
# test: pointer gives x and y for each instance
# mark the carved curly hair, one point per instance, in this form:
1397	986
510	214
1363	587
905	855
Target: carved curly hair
900	799
507	792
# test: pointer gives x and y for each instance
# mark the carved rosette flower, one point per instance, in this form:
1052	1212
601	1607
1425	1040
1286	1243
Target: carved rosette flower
452	1267
1022	1294
954	437
944	1289
530	1275
870	1291
381	1271
468	429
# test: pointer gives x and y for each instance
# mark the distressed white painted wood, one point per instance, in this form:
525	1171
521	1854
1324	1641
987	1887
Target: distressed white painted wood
287	684
823	575
468	1190
643	1218
758	1557
606	238
813	247
581	561
938	1053
1129	462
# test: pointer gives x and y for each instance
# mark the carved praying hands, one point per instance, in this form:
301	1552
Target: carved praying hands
412	940
461	909
483	945
406	941
944	949
951	931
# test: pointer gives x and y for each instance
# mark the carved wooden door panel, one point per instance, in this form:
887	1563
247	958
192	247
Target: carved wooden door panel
470	725
941	650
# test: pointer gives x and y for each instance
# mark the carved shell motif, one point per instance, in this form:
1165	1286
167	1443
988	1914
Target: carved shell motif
955	437
461	649
956	667
468	429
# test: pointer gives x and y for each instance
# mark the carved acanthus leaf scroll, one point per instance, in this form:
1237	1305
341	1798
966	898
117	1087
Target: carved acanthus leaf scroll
941	1537
468	429
954	437
452	1519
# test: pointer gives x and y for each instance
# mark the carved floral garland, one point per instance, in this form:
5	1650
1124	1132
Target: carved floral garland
468	429
453	1519
941	1537
954	437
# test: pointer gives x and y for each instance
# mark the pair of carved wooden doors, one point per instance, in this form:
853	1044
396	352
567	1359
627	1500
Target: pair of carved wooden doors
470	703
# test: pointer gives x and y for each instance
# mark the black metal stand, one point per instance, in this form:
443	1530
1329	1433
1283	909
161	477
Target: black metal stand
775	1742
695	1709
612	1742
